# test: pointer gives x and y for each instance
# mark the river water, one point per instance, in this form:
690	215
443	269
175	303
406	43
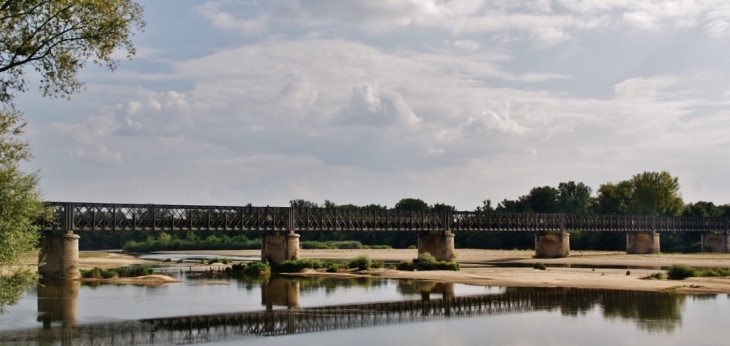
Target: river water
364	311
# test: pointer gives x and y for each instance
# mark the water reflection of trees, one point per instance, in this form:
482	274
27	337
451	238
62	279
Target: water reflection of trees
13	286
652	311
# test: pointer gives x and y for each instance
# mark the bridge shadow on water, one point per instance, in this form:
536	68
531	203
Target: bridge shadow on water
57	306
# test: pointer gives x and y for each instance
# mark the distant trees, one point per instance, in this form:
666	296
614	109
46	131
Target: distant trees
411	204
648	193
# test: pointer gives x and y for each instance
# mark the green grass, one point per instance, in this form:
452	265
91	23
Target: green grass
256	268
219	260
426	261
349	244
362	262
121	272
654	276
681	272
539	266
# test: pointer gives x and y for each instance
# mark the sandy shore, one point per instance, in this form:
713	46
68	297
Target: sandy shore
481	267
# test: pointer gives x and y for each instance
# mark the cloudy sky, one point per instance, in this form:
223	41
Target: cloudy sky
362	101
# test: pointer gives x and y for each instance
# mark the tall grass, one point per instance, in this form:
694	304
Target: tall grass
121	272
426	261
167	243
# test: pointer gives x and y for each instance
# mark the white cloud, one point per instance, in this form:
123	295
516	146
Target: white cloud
643	87
363	102
299	93
223	20
371	106
158	113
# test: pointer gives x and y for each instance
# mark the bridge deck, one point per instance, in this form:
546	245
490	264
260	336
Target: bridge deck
157	217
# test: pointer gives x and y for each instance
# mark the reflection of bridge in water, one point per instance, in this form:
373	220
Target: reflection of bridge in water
651	310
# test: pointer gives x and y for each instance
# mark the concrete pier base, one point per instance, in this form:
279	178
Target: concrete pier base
642	243
716	242
280	248
549	245
440	246
59	255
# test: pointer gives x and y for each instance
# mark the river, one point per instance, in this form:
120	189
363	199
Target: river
364	311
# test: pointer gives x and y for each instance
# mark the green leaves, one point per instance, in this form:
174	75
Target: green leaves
58	37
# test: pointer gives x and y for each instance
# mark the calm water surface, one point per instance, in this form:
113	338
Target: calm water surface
367	311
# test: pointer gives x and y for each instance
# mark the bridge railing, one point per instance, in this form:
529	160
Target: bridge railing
157	217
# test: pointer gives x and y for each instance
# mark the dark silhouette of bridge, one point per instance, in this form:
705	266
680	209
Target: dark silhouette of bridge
157	217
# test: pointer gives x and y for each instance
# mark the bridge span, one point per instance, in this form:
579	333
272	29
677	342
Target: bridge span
282	225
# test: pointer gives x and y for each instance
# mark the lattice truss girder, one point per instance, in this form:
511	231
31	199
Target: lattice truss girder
151	217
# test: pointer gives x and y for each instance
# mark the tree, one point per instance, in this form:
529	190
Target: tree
573	198
702	209
443	207
20	208
655	194
56	38
411	204
542	200
613	199
302	203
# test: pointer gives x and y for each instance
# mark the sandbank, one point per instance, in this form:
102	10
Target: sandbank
482	267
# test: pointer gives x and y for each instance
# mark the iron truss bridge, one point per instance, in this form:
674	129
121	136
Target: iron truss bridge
231	326
158	217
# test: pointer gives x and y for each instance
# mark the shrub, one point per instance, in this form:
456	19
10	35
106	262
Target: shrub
180	261
539	266
360	262
168	260
238	268
257	268
628	272
121	272
109	274
377	264
713	272
412	247
333	268
405	266
680	272
94	273
392	267
654	276
426	261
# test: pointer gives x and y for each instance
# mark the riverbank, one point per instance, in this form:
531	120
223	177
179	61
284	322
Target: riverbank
588	269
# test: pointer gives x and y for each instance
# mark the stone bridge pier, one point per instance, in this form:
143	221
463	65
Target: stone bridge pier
440	246
712	242
642	243
552	245
59	255
279	248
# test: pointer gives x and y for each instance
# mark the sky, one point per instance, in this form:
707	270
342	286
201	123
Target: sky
360	101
